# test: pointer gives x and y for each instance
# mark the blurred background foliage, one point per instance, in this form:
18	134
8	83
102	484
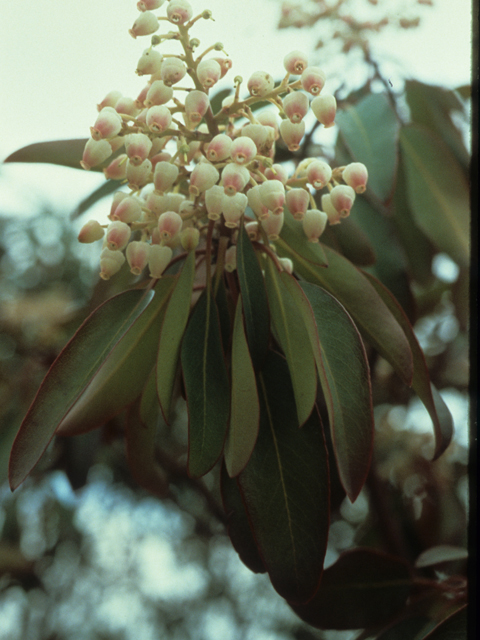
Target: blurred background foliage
86	554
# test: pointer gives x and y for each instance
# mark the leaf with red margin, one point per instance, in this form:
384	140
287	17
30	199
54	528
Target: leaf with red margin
285	488
364	588
452	628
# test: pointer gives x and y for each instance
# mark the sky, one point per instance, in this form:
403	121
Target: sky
58	59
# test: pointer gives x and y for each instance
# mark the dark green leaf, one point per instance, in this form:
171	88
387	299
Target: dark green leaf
370	131
292	336
453	628
245	408
285	488
413	627
435	405
345	379
364	588
437	191
104	190
238	528
171	335
67	153
69	375
351	241
255	306
206	385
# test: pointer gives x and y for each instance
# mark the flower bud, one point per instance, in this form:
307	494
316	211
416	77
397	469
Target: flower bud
110	100
158	94
144	25
95	152
252	230
277	172
243	149
128	210
213	201
107	125
158	259
138	175
164	176
233	207
137	256
225	65
169	226
179	11
287	265
295	62
231	258
327	206
137	146
295	105
116	170
260	83
159	118
269	119
314	224
173	70
110	263
235	177
272	195
342	198
313	80
297	202
91	232
319	174
292	134
203	177
325	108
208	72
127	106
256	204
149	5
196	105
219	148
118	235
150	62
256	132
355	175
273	226
189	238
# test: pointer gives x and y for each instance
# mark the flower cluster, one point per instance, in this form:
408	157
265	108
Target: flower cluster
194	175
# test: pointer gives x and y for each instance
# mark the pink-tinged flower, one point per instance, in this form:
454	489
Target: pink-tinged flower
128	210
292	133
295	105
91	232
117	198
272	195
138	175
116	170
273	226
260	83
219	148
235	178
225	65
243	150
118	235
319	174
252	230
203	177
127	106
213	201
196	105
256	204
325	109
159	118
107	125
158	259
231	258
150	62
313	80
137	146
173	70
95	152
233	208
110	100
287	264
355	175
137	256
297	202
314	224
277	172
110	263
142	96
157	204
164	176
169	226
256	132
333	215
295	62
179	11
342	198
208	72
149	5
269	119
189	238
158	93
144	25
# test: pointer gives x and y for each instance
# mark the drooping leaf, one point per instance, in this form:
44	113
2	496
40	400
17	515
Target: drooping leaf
293	243
122	376
68	376
455	627
434	403
364	588
437	191
173	328
351	241
345	378
369	130
370	313
252	286
245	407
412	627
238	528
292	336
206	385
285	488
103	190
67	153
